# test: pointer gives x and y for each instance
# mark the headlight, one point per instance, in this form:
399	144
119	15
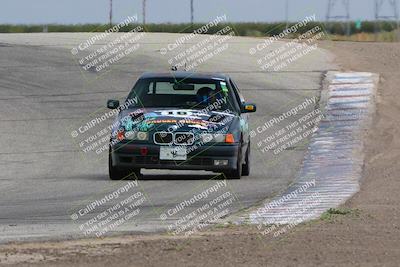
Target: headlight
130	135
142	136
205	138
217	138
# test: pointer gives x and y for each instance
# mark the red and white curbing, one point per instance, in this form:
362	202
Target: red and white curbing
332	168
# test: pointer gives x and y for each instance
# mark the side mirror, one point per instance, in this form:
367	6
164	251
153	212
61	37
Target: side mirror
112	104
248	108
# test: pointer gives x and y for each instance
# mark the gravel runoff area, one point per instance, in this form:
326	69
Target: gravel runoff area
366	233
44	88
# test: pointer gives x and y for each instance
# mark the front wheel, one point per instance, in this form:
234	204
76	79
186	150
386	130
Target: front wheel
246	165
116	174
237	173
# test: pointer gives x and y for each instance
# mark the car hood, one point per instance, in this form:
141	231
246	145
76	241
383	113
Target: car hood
158	119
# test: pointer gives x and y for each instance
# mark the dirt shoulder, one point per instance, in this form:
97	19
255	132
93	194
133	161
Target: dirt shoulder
369	235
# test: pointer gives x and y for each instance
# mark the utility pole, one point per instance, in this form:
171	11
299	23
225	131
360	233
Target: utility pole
393	5
191	12
343	15
287	13
111	11
144	12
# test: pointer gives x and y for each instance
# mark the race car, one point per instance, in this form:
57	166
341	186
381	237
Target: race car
182	121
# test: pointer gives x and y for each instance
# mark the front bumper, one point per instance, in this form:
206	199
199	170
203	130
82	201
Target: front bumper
128	156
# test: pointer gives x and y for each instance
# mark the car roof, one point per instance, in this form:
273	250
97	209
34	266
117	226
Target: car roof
184	75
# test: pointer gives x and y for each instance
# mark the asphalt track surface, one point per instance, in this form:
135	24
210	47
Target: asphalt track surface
44	93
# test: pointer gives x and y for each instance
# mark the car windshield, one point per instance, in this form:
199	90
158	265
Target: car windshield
185	93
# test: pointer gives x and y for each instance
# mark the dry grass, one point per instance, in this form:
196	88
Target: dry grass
393	36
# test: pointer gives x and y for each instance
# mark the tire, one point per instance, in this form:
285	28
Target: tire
237	173
116	174
113	172
246	165
135	174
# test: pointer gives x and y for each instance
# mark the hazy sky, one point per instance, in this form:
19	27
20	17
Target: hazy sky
96	11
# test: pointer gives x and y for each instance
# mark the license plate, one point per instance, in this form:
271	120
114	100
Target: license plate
173	153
